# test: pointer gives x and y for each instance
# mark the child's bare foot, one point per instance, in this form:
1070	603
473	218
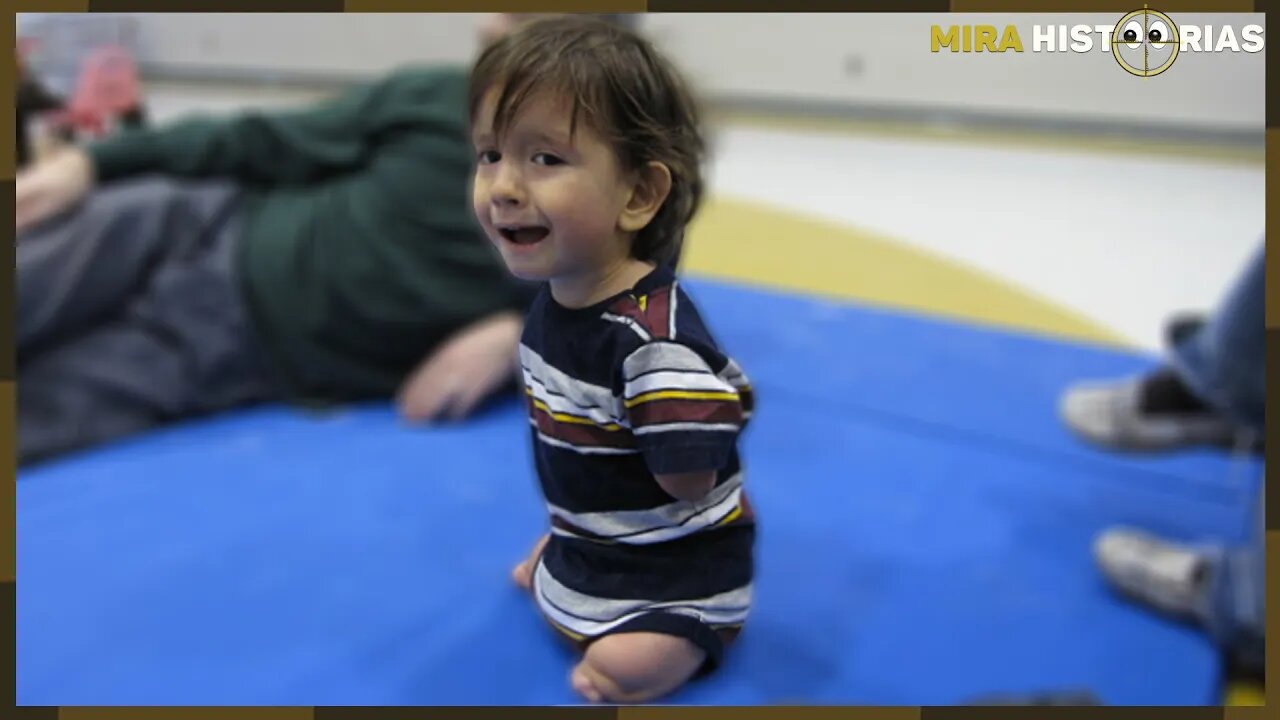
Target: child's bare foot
635	667
522	574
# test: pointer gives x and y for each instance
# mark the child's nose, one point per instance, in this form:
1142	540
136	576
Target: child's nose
507	188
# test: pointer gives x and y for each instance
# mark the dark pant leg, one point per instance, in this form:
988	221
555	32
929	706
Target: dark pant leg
181	344
1235	595
1224	361
86	265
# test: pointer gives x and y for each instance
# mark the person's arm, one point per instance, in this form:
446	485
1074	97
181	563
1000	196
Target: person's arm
687	486
294	146
51	186
291	147
686	417
467	368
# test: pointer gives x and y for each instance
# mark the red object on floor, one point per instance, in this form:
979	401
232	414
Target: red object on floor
107	88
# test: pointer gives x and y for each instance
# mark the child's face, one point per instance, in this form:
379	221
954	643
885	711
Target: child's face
551	203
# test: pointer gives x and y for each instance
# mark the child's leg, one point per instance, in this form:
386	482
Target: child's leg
522	574
635	667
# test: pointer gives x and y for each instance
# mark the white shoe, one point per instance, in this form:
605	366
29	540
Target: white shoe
1111	414
1164	575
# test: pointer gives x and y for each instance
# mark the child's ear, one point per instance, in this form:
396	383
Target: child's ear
652	186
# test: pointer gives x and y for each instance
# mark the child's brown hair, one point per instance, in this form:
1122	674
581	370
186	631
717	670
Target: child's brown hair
624	89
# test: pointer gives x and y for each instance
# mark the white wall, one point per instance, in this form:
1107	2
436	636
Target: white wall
335	44
854	59
886	59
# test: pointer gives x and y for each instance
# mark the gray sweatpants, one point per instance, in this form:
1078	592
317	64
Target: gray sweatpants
130	315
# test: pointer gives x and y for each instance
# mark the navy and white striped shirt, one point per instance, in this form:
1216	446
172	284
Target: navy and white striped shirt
618	392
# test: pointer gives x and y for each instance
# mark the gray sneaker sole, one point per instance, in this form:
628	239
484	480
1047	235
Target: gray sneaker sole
1108	415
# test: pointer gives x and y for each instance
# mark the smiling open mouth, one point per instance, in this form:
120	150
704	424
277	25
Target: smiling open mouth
524	235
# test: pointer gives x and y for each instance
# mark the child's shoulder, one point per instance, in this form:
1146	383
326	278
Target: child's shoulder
658	310
599	341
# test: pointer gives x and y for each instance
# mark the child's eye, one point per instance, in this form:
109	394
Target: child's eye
487	157
547	159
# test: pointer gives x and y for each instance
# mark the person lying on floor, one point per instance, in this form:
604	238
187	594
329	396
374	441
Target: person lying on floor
316	256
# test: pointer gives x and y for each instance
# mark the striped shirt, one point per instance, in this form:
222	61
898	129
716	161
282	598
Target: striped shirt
618	392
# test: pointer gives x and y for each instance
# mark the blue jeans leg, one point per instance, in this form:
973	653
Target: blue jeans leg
1223	362
1236	596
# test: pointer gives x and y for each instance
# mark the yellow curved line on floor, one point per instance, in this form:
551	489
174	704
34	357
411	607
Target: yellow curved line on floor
746	242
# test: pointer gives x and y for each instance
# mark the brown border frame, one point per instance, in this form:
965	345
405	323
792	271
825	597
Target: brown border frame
8	371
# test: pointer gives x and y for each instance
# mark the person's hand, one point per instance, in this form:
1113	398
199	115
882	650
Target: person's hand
463	371
52	186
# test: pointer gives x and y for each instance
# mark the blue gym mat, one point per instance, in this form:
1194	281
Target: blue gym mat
925	532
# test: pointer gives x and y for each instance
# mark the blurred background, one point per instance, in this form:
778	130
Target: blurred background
1036	174
913	254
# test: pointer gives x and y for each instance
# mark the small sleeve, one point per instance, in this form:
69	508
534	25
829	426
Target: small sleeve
685	415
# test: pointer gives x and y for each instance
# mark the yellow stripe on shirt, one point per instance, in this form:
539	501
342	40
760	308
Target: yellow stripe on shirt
562	417
679	395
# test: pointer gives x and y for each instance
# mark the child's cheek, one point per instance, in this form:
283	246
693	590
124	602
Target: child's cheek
478	205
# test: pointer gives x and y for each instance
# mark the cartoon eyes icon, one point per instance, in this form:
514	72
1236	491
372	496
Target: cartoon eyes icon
1145	42
1158	33
1131	34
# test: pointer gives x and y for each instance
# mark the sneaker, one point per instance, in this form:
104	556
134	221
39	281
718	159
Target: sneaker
1155	572
1114	415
